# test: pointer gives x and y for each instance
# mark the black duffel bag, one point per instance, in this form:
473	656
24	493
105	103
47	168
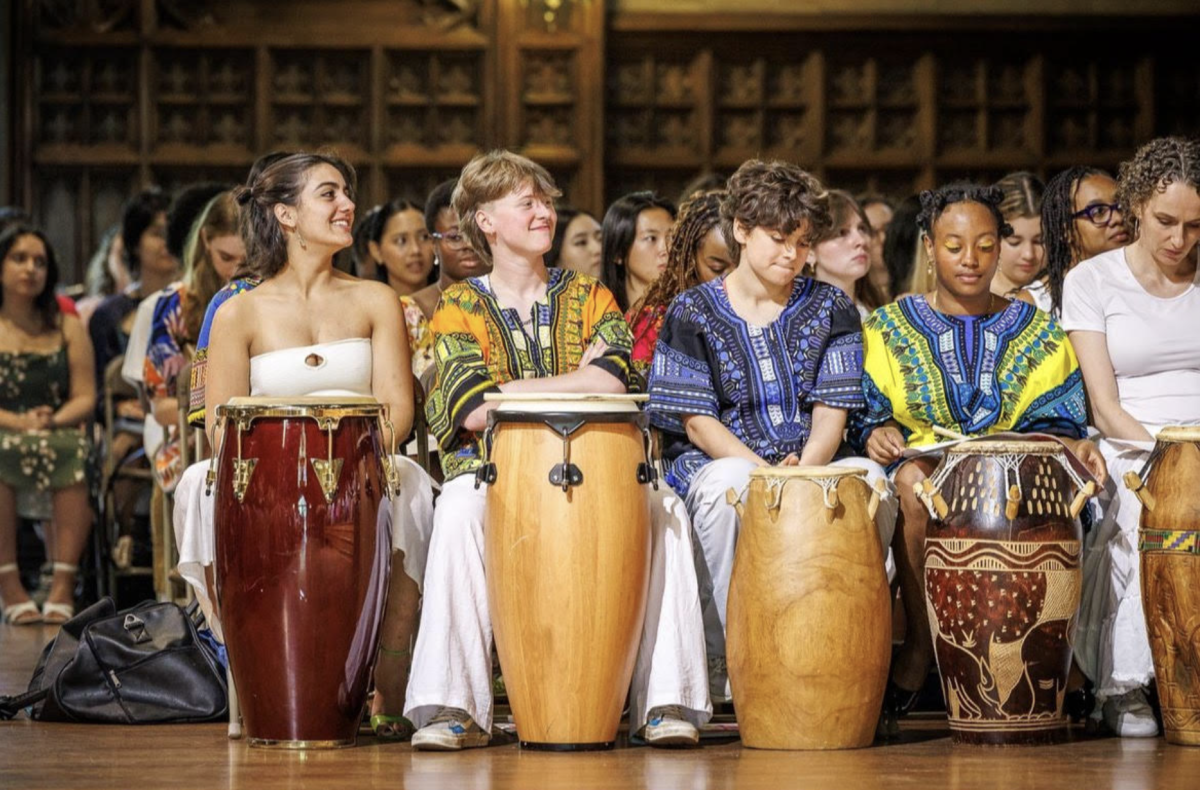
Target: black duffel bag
145	665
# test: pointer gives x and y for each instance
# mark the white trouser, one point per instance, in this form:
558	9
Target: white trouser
452	663
410	517
1111	644
716	525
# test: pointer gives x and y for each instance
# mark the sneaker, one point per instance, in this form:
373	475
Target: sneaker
451	730
666	727
1130	716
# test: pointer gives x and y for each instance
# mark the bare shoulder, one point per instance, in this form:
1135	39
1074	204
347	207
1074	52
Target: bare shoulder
235	314
376	294
72	328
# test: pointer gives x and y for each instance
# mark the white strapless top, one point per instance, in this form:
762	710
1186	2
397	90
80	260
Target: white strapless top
340	368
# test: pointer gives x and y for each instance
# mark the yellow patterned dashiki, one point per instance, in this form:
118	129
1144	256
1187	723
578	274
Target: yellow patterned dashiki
420	339
1013	370
479	345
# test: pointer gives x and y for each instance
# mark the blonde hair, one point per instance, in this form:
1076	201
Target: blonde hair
200	278
489	177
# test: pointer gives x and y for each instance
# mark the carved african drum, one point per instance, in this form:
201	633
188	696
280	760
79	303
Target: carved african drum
1002	586
1169	540
809	632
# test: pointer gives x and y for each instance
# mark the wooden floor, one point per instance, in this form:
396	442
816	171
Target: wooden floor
35	755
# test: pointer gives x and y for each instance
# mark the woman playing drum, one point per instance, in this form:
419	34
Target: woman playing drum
960	359
1133	315
276	341
526	329
757	368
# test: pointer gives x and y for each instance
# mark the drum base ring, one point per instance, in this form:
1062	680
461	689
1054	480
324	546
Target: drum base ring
535	746
1041	736
270	743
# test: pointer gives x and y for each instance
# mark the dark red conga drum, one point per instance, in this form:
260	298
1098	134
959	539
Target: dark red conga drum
303	551
1002	586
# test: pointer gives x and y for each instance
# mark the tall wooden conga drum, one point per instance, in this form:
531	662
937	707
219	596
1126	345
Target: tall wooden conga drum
1169	540
1002	585
809	630
568	560
303	553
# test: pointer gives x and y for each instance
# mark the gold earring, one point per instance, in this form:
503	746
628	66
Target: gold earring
300	238
928	265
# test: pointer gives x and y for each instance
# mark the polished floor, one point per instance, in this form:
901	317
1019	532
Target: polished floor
35	755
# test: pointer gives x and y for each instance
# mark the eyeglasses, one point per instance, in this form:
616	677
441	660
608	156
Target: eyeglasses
453	238
1099	214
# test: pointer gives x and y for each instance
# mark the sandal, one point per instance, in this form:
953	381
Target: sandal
19	613
59	613
391	729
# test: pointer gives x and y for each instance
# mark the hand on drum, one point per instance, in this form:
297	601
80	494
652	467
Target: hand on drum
885	445
1089	455
593	352
791	459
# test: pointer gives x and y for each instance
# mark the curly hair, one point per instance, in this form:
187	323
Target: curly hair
775	195
1156	165
935	202
1060	239
697	217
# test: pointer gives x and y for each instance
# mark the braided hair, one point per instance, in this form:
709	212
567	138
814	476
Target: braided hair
697	217
1060	240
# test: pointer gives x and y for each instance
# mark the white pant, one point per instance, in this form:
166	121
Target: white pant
410	517
452	663
716	525
1111	644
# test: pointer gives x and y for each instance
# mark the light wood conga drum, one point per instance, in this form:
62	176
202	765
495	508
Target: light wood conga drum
568	560
303	555
809	631
1169	540
1002	586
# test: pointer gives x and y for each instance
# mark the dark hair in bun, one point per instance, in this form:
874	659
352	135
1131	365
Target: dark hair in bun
935	202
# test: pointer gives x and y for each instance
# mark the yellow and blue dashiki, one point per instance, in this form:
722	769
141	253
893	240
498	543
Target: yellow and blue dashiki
1013	370
761	382
479	345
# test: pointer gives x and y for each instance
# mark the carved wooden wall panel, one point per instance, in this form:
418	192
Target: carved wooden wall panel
892	110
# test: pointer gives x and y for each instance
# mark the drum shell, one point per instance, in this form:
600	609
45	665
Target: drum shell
809	630
567	576
1170	570
302	582
1003	599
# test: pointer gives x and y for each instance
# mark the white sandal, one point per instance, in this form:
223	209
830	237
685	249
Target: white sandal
16	614
59	613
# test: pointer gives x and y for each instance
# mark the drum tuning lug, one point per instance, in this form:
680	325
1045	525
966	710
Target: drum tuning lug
646	473
210	479
565	476
485	474
243	470
1135	483
328	473
391	477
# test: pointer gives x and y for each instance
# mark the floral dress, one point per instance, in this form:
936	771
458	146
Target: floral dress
38	460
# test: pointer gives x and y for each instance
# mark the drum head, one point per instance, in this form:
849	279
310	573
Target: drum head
1180	433
1007	447
807	472
568	403
314	406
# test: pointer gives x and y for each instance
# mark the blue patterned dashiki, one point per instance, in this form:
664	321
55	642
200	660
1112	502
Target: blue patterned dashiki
761	382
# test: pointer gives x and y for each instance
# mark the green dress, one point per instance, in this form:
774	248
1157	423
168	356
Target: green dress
38	460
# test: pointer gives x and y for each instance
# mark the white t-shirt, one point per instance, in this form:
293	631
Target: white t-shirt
1154	343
